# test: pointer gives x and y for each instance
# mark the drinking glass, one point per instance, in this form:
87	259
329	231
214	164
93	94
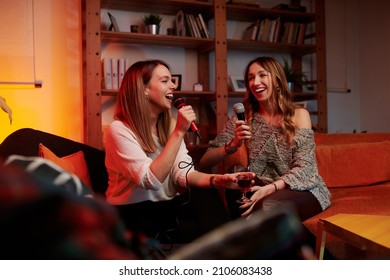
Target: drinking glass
244	181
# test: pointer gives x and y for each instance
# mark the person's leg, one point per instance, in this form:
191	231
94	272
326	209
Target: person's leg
150	218
202	211
304	202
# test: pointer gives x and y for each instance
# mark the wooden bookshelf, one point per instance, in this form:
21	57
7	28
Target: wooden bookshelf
219	46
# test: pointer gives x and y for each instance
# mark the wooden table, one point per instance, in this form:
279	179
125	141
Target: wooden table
366	232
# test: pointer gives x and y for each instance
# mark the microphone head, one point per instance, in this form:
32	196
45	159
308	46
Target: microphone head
178	102
238	108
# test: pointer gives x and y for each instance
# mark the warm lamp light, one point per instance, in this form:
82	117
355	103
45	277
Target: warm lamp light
20	85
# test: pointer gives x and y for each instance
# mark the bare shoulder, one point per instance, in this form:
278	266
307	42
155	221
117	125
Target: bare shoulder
302	118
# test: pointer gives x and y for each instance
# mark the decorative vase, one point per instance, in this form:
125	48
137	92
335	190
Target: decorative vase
153	29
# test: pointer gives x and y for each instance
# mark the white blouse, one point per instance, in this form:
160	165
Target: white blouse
128	165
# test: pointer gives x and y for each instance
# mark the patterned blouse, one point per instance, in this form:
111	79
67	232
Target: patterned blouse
272	159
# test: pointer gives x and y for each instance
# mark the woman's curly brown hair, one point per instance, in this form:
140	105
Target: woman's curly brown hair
281	99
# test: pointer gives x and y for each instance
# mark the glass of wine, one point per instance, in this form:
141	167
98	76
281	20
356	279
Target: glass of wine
244	182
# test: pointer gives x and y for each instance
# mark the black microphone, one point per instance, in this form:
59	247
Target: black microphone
240	111
178	103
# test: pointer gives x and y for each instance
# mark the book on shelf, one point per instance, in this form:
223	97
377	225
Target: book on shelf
272	31
114	70
204	26
191	25
286	32
114	73
106	69
251	31
301	34
189	30
264	36
278	30
121	70
127	64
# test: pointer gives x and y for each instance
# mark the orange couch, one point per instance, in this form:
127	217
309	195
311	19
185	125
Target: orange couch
356	169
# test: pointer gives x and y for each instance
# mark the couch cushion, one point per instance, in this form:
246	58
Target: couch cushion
370	200
73	163
349	138
355	164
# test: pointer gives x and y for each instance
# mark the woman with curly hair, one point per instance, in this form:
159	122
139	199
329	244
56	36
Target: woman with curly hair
278	143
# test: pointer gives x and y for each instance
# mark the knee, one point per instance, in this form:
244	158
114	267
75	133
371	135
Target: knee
269	204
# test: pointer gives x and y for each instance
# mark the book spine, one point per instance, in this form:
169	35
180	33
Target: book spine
194	26
127	64
189	29
114	71
200	27
121	67
107	74
206	30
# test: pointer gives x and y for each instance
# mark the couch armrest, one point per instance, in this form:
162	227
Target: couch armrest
26	141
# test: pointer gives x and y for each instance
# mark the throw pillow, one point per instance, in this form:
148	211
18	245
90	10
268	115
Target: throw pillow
74	163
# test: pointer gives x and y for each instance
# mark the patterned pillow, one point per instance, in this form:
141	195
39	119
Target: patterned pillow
48	173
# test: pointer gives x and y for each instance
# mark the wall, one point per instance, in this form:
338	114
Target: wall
374	60
57	106
358	38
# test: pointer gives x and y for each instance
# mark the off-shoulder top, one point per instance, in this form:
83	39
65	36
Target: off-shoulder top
272	158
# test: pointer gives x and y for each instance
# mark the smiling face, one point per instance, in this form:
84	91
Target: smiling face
260	82
160	89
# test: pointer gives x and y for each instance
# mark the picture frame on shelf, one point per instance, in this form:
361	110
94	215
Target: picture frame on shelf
237	83
114	24
176	79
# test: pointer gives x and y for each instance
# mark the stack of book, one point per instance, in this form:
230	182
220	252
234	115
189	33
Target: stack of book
191	25
276	31
113	70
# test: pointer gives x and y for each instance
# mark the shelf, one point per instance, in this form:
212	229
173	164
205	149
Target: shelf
212	53
240	45
161	7
250	13
211	94
200	44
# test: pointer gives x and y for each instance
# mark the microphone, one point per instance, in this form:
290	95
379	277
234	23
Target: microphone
178	103
240	111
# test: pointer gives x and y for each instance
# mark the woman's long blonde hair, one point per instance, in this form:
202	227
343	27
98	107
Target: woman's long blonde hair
132	107
280	100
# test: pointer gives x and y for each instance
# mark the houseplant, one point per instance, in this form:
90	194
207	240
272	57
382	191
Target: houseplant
152	23
293	77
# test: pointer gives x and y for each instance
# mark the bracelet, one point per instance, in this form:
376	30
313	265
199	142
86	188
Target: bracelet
228	148
276	188
212	181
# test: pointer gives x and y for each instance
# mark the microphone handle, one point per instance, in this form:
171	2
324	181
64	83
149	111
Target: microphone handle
198	134
241	116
